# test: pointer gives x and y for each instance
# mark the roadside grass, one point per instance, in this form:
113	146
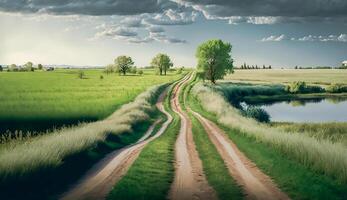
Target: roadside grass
34	162
294	178
311	76
333	131
152	173
40	101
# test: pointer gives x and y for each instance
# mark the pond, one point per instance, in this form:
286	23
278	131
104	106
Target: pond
307	110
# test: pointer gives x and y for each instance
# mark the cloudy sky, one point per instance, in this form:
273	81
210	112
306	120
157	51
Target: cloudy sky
93	32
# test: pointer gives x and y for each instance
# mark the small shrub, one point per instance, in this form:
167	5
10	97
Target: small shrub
101	77
80	74
140	72
179	71
133	70
256	113
296	87
336	88
301	87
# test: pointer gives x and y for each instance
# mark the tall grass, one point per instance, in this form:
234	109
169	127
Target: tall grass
323	156
47	151
333	131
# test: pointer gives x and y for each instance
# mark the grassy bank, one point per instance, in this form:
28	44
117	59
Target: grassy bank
333	131
298	180
151	175
27	161
37	101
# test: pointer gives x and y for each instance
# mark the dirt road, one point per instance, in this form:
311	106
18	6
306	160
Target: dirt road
100	180
254	182
190	181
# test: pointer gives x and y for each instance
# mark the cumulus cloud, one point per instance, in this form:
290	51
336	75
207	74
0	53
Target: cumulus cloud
307	38
274	38
154	33
162	37
117	32
172	17
320	38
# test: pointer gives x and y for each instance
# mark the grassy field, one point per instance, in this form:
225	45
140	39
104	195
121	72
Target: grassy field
37	101
310	76
36	161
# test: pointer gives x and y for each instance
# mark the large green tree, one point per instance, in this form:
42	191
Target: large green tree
214	59
29	66
123	64
162	62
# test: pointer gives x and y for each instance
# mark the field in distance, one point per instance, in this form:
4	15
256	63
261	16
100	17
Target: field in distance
37	101
310	76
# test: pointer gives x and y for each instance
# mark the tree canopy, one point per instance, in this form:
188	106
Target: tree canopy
214	59
162	62
29	66
123	64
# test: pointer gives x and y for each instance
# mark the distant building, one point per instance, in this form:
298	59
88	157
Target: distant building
344	63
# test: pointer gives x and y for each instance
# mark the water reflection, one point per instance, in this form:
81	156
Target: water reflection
307	110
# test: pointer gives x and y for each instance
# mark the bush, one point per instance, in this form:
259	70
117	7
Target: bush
179	71
296	87
140	72
133	70
101	77
80	74
256	113
336	88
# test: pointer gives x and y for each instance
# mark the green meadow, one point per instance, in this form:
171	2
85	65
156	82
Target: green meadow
40	101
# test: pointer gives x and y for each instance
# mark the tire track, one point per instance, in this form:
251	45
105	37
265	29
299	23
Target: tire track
254	182
190	181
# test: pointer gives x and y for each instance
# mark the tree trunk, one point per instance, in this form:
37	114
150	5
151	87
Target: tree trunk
212	78
165	72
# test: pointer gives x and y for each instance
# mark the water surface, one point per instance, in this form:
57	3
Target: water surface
312	110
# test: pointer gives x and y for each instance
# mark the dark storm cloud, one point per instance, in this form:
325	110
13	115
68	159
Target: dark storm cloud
281	8
86	7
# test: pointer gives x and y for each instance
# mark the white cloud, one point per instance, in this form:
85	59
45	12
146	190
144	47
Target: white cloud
308	38
274	38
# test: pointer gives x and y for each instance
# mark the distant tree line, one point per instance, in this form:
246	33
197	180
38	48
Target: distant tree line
321	67
246	66
27	67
